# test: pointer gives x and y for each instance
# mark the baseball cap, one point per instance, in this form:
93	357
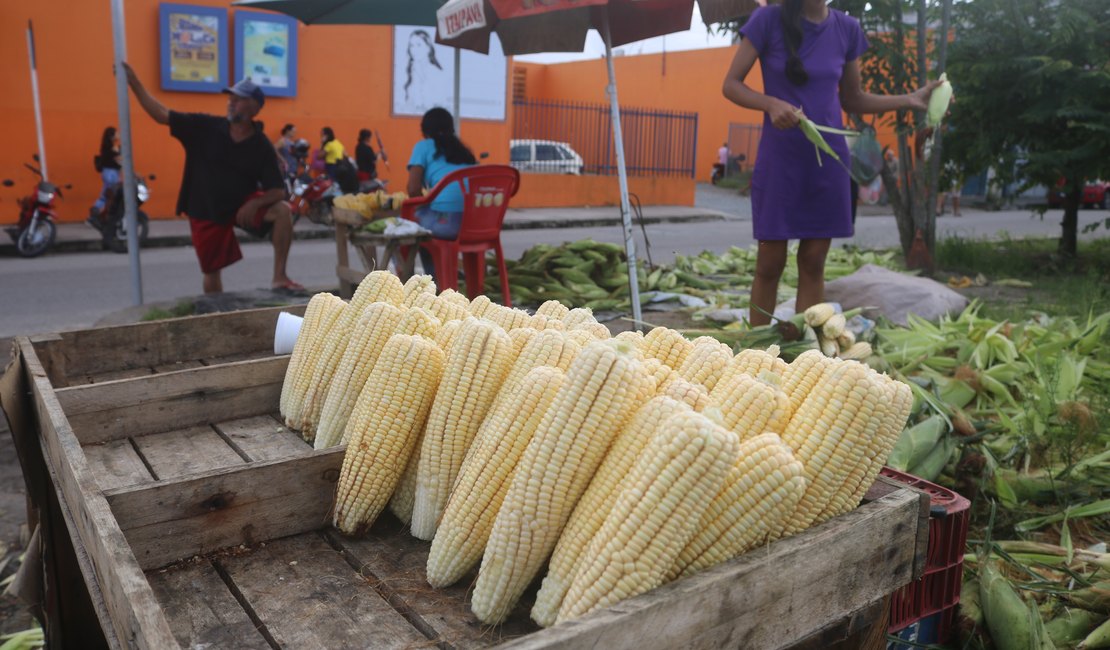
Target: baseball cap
247	88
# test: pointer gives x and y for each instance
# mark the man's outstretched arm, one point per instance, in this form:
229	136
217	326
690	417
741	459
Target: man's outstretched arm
154	108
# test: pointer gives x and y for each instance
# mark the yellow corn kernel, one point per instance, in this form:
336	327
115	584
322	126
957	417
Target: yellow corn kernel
479	306
706	362
323	328
377	286
314	316
546	348
553	309
455	298
801	376
415	286
541	322
579	315
747	405
418	322
596	330
667	345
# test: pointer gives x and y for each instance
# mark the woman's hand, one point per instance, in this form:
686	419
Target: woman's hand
918	100
782	114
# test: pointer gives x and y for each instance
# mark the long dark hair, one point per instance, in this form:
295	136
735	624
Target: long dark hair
438	125
328	134
286	129
107	144
420	33
363	134
792	36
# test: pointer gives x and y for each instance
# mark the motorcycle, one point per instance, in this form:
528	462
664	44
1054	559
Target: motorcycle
36	230
110	222
312	197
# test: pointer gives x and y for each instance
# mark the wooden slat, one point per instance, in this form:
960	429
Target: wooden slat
174	400
395	562
767	598
262	438
170	520
103	349
308	597
184	364
113	375
137	619
201	610
186	451
116	464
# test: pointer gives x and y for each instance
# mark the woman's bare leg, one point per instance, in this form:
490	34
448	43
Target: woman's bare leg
770	260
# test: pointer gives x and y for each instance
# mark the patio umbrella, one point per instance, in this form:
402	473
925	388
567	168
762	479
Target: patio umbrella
361	12
561	26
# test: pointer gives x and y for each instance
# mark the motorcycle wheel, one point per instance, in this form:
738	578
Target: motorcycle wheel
119	238
35	242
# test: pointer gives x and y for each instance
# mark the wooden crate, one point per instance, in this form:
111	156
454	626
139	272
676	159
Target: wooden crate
196	518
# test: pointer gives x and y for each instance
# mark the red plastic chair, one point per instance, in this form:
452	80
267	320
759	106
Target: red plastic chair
486	192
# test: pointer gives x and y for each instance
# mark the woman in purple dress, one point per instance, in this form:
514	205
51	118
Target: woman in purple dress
809	55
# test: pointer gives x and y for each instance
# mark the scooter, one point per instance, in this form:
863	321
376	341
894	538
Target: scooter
110	222
35	232
312	197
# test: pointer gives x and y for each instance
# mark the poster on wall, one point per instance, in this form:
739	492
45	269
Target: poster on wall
424	76
266	51
193	47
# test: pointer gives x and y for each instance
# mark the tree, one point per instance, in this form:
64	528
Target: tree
1032	82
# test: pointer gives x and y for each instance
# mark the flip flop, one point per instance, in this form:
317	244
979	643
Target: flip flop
288	286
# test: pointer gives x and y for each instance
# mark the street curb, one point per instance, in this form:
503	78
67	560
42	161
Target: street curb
177	241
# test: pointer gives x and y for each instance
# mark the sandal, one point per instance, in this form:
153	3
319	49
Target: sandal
288	285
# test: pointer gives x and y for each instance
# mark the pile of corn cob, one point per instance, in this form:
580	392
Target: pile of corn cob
516	441
834	339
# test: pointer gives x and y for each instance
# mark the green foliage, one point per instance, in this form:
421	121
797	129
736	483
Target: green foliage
1033	89
183	308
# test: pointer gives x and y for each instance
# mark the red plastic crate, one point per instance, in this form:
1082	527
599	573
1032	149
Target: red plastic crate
938	590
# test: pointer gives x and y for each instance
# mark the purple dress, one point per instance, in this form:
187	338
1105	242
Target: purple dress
792	196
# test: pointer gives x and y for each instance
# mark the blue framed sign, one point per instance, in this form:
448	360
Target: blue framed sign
266	51
193	46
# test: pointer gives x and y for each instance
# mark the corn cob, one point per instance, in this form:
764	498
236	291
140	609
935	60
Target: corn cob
636	339
403	497
827	346
602	389
415	286
520	337
320	304
816	315
846	340
662	374
446	335
802	375
706	362
763	487
581	337
656	514
479	306
455	298
486	475
686	392
667	345
368	338
383	428
753	362
508	318
546	348
476	366
858	352
377	286
938	102
553	309
316	339
829	434
579	315
747	405
597	502
596	330
541	322
418	322
444	310
896	410
834	327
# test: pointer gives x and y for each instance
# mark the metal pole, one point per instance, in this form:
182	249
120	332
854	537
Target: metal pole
622	176
458	98
35	96
123	106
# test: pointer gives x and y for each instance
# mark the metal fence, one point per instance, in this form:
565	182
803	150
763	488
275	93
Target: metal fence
577	138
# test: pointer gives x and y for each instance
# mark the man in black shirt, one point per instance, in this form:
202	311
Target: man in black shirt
232	178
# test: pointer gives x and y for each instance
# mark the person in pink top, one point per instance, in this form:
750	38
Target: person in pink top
809	55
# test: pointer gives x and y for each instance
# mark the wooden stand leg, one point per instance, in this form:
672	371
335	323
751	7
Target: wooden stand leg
346	289
368	253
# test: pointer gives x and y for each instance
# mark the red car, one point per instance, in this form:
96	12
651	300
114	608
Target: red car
1094	195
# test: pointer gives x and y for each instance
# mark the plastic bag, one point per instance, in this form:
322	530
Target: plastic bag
867	157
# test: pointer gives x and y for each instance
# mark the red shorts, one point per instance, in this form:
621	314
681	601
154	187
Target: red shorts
216	244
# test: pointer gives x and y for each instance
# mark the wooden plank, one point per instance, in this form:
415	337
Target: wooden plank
184	364
241	356
167	521
349	275
186	451
114	375
137	619
116	464
174	400
49	350
201	610
307	596
262	438
395	562
767	598
104	349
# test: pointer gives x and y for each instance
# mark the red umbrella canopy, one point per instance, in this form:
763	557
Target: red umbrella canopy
530	26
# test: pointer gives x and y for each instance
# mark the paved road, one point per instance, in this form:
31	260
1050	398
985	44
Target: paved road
65	291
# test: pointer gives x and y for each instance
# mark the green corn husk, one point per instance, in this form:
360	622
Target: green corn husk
1095	598
970	622
23	640
916	442
813	132
932	465
1071	626
938	102
1005	612
1095	509
1099	638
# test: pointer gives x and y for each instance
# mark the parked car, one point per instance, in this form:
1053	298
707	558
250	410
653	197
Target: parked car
545	157
1094	195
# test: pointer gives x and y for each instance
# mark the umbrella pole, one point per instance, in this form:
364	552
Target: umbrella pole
622	175
130	208
35	97
458	98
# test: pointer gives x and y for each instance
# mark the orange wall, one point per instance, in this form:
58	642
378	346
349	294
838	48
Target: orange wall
344	82
551	190
680	81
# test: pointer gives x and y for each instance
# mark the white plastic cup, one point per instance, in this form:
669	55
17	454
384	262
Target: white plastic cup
285	335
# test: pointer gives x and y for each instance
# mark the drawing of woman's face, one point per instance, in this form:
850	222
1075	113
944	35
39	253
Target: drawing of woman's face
420	48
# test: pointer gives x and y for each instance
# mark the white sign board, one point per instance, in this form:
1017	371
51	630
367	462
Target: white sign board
424	76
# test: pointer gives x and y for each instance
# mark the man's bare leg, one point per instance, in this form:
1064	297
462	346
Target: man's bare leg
282	236
213	283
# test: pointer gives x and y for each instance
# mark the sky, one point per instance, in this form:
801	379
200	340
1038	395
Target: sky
695	38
